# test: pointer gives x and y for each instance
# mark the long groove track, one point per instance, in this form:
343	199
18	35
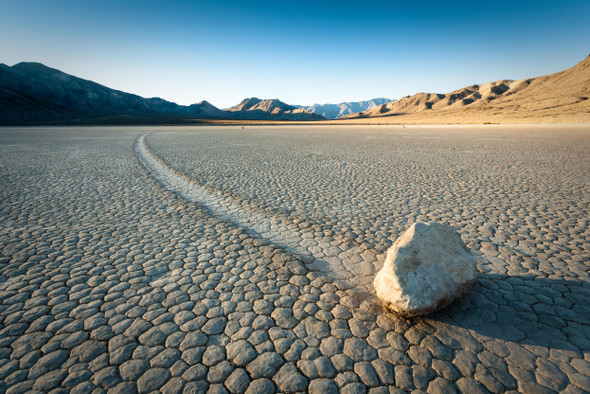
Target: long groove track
339	261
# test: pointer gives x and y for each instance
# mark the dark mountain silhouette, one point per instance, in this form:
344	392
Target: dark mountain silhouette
32	93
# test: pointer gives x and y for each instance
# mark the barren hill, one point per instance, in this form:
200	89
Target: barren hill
273	109
559	97
205	109
335	111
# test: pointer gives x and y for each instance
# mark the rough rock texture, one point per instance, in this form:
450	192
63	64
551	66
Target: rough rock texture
427	268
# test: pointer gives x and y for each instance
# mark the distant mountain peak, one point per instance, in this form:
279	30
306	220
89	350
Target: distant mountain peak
267	109
585	63
335	111
245	104
35	67
255	103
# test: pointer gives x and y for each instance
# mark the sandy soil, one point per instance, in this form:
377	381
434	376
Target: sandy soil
241	259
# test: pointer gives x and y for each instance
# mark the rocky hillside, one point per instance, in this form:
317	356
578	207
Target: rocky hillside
257	109
559	97
335	111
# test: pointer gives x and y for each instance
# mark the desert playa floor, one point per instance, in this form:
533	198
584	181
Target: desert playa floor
230	259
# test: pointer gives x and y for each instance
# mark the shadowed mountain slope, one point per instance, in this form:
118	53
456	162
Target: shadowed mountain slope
32	93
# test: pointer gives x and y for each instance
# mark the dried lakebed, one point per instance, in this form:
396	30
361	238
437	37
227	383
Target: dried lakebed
228	259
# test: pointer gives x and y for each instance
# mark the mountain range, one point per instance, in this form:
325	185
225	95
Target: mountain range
560	97
335	111
32	93
256	109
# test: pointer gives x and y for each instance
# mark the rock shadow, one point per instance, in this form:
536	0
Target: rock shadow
553	313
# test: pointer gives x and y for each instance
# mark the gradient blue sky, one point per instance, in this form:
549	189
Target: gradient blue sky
302	52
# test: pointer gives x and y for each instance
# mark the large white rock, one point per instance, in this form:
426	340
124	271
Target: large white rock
426	269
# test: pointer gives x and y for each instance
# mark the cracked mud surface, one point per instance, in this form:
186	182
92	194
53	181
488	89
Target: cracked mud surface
113	280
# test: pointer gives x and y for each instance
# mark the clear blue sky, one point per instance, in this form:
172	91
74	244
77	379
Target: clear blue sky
301	52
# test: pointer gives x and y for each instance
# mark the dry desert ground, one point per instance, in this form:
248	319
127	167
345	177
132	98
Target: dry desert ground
241	258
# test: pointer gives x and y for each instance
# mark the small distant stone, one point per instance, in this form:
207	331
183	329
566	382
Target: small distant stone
426	269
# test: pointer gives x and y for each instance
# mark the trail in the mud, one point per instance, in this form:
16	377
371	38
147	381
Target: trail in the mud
336	260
